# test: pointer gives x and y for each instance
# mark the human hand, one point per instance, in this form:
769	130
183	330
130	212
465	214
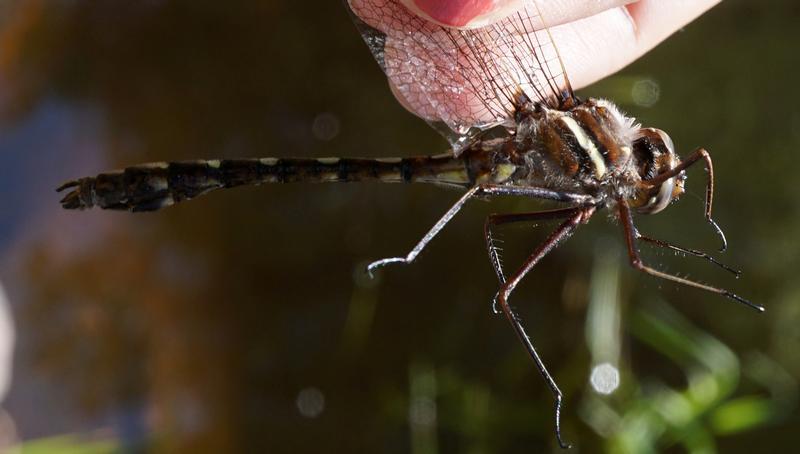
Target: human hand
594	39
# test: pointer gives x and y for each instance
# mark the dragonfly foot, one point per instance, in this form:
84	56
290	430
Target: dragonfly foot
720	233
381	263
561	442
495	306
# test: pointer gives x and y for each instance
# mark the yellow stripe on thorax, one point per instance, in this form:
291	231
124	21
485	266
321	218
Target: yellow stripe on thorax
586	143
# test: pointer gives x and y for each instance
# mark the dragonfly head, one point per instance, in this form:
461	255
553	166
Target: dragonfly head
654	154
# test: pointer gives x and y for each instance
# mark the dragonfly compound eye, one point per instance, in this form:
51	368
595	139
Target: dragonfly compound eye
654	154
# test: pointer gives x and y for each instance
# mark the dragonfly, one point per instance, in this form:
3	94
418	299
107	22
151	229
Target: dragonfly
501	96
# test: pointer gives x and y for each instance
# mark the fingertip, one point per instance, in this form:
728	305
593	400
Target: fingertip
466	14
419	107
656	20
600	45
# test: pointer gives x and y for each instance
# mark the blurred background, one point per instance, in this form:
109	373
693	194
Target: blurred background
243	321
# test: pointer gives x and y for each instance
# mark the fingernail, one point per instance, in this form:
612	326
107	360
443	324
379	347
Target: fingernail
460	13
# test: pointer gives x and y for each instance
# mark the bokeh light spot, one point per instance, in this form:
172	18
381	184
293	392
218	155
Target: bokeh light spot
604	378
310	402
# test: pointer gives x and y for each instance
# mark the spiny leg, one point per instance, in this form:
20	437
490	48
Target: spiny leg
563	232
477	191
687	251
636	261
500	219
698	154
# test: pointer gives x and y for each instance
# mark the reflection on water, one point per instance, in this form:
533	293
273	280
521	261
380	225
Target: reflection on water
243	320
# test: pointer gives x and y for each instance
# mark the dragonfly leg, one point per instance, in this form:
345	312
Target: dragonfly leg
477	191
636	261
500	219
699	154
563	232
686	251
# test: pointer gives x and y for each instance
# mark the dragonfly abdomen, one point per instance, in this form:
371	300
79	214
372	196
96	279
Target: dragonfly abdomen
152	186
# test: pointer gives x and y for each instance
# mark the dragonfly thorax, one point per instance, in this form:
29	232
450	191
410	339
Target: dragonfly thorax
587	148
592	147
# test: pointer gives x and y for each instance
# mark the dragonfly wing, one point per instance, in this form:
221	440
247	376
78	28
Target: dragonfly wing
463	81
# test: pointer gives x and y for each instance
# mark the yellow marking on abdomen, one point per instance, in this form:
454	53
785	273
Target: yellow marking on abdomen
390	177
329	176
389	160
154	165
451	176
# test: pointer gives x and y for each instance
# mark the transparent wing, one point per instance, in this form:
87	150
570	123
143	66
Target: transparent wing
463	81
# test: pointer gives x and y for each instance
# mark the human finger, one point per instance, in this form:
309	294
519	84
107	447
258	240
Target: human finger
600	45
480	13
590	47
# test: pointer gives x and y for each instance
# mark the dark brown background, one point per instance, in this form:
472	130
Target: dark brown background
198	327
